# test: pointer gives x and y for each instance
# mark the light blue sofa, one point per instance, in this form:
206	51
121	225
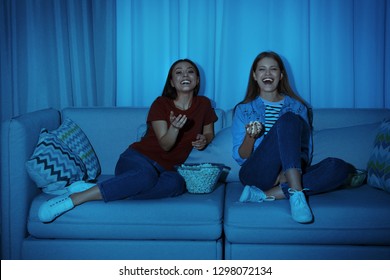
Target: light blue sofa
349	223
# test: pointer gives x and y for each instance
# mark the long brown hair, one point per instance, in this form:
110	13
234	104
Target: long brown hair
253	89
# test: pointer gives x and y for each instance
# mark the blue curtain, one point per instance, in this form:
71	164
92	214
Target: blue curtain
57	54
60	53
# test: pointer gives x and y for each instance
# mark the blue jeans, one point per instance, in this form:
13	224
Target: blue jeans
138	177
280	150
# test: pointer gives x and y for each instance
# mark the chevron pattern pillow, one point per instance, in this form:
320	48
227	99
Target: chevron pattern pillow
53	165
378	167
73	136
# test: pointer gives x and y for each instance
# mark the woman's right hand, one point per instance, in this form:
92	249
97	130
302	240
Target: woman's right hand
177	121
167	133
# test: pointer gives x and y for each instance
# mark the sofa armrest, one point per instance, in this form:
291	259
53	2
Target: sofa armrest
19	136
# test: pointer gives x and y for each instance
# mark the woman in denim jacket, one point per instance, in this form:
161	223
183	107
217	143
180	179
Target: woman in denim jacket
272	141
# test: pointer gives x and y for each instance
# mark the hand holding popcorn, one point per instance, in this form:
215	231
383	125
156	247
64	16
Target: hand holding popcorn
253	129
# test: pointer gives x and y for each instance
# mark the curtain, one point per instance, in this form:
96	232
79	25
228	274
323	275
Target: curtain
56	54
61	53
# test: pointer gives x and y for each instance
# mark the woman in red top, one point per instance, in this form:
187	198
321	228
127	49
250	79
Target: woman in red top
178	121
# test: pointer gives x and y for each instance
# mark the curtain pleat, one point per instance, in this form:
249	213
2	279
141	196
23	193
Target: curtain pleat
60	53
369	53
386	95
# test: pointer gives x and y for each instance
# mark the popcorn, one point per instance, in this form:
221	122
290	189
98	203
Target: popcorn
254	127
200	178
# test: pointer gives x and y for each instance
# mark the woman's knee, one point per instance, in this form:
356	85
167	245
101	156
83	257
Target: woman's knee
288	123
173	182
289	117
146	177
132	160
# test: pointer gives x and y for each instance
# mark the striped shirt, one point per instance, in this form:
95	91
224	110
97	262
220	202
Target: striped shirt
272	110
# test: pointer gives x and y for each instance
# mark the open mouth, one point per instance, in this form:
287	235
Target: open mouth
268	81
185	82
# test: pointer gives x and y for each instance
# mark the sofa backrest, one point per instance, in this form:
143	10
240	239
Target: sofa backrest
112	129
341	118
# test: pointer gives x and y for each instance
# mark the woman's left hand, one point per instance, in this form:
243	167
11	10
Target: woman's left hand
200	143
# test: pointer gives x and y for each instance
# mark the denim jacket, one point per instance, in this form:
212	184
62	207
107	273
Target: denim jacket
255	111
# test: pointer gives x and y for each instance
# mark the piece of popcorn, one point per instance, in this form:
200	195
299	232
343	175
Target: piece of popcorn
254	127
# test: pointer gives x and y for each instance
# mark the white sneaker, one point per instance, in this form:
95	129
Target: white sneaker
254	194
54	207
300	210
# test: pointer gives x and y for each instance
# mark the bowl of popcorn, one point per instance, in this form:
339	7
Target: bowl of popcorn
201	177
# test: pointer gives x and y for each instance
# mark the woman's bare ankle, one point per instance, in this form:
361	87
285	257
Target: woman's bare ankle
87	195
276	192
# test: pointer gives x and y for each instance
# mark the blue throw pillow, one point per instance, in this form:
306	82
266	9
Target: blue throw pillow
378	167
73	136
53	165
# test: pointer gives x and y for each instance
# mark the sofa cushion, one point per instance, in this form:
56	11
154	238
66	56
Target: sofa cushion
73	136
185	217
53	165
352	144
346	216
378	167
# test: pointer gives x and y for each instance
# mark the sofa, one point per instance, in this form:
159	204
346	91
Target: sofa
350	223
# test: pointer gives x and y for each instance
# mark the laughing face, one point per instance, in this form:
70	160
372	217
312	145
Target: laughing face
184	77
268	75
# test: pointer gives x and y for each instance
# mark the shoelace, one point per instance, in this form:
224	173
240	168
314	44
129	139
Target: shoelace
269	198
292	191
300	210
56	202
57	208
300	198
